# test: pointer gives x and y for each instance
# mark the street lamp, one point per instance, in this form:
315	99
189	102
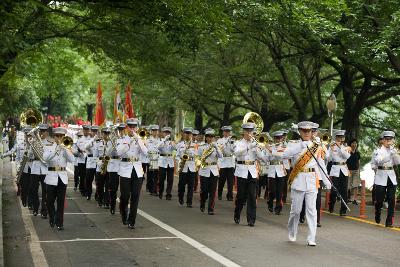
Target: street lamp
331	106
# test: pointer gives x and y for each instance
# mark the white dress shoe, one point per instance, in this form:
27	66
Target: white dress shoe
292	238
311	243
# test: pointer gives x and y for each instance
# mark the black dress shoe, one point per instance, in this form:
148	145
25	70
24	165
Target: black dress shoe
35	213
251	224
112	211
23	204
389	225
160	196
52	224
75	188
131	226
30	208
278	212
60	228
319	225
219	197
168	197
43	216
202	209
270	209
302	220
210	212
330	210
343	214
237	220
377	219
87	197
181	202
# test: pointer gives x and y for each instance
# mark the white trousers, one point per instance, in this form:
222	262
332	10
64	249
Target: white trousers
311	212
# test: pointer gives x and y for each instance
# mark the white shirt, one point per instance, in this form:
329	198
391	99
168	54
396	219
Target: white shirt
19	149
99	150
166	148
130	148
187	148
213	158
307	181
90	147
115	160
56	156
152	146
79	148
227	145
338	155
276	166
247	151
385	157
38	167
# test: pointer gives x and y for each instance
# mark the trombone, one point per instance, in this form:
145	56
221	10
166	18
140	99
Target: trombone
262	139
66	142
143	133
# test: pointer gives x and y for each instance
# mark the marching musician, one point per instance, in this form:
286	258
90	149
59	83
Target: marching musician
22	149
226	163
113	164
209	153
131	172
187	167
338	154
79	152
166	163
247	152
145	164
263	177
99	152
152	144
91	161
287	164
276	174
57	155
74	150
304	180
38	174
195	135
385	183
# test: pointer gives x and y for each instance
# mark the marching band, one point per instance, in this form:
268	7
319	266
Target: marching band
124	155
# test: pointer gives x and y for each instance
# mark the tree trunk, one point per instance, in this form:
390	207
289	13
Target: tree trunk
198	119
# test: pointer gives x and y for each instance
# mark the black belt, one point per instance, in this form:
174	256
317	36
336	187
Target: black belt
56	169
276	162
115	157
385	168
166	155
129	159
90	155
246	162
338	163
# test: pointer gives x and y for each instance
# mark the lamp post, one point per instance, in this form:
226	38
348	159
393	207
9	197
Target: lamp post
331	106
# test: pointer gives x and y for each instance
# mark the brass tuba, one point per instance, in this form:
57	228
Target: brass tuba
33	117
256	119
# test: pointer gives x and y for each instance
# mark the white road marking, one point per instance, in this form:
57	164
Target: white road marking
207	251
81	213
108	239
39	260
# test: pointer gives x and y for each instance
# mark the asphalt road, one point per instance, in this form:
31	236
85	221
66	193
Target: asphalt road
168	234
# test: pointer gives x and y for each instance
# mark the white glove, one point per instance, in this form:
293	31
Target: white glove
253	145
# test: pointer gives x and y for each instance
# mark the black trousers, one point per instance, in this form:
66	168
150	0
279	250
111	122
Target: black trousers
167	173
275	187
113	185
82	174
186	179
100	187
226	174
152	179
318	206
89	180
76	176
246	192
130	193
262	184
56	192
388	192
145	167
208	187
25	182
34	192
341	184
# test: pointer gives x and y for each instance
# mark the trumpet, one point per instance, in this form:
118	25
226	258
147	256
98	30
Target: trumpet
326	138
143	133
66	142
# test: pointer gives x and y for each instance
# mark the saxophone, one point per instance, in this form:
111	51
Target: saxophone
105	160
204	156
184	158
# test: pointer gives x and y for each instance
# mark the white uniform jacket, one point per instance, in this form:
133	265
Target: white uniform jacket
153	154
56	156
307	181
115	160
129	150
227	147
211	160
166	159
385	159
99	152
19	149
338	156
276	165
38	167
246	154
79	148
188	148
90	147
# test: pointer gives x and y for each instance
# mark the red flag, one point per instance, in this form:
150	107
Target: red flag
99	118
129	113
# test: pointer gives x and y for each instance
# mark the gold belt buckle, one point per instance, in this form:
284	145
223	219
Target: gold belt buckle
57	169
